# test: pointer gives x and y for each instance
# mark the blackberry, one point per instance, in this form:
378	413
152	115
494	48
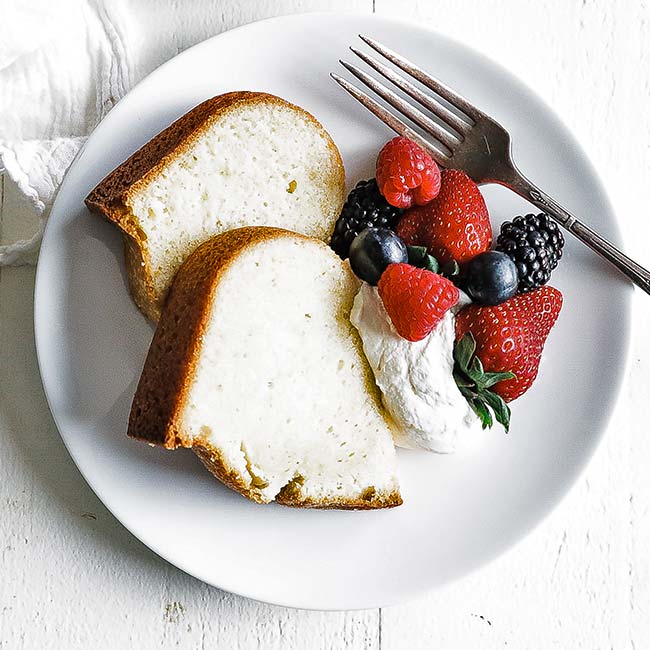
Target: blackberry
364	208
534	243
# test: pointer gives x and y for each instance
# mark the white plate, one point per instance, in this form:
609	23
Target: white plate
459	511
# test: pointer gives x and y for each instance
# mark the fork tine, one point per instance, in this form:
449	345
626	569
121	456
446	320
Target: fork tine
449	118
390	120
404	107
423	77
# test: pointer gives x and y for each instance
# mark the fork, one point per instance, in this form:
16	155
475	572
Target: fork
464	137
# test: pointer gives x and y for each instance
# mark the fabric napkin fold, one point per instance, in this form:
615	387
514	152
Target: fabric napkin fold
37	167
63	65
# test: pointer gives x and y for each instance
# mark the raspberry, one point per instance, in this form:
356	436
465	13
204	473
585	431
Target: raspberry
406	174
415	299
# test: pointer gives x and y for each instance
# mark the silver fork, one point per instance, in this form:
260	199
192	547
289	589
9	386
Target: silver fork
468	139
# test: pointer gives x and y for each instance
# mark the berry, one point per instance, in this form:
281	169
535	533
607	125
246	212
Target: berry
534	243
511	336
455	225
406	174
415	299
490	278
373	250
364	208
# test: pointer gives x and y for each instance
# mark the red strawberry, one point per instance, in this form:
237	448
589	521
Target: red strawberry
415	299
511	336
406	174
455	225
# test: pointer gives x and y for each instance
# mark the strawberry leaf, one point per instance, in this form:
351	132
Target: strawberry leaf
416	254
475	371
482	411
474	384
419	257
451	270
491	378
463	352
467	393
431	264
461	382
500	408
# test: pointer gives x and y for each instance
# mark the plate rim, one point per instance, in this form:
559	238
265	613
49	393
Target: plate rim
625	333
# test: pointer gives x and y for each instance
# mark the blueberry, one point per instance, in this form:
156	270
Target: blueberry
490	278
372	250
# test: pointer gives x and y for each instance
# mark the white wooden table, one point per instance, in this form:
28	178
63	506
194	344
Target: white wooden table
72	577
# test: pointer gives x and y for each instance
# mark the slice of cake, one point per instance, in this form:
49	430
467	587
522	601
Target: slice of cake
256	366
239	159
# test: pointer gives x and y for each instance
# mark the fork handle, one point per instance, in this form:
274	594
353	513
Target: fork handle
529	191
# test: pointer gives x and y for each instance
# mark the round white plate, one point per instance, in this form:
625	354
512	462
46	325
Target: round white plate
459	511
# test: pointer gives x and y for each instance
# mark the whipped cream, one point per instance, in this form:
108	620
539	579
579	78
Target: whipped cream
415	379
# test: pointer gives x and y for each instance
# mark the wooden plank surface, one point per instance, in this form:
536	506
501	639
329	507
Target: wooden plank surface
71	576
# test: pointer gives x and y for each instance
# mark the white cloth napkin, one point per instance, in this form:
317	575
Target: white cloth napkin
37	167
64	64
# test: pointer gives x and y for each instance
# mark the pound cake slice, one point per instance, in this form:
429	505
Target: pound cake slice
256	366
239	159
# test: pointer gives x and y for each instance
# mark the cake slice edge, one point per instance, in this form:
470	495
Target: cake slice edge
156	414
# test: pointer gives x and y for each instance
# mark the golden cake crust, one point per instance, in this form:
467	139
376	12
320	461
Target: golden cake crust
110	197
173	356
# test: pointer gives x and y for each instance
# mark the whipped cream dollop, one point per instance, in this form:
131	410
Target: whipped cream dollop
415	378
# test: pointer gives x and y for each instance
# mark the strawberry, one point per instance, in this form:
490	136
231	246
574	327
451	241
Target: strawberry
455	225
510	337
406	174
415	299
